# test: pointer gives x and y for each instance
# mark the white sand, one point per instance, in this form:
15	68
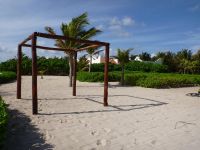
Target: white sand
138	118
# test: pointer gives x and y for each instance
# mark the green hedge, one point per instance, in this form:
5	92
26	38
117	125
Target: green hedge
100	67
97	76
3	122
145	67
51	66
132	66
161	80
7	76
149	80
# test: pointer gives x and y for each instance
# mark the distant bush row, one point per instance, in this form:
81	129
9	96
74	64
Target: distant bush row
3	122
161	80
97	76
149	80
50	66
60	66
7	76
132	66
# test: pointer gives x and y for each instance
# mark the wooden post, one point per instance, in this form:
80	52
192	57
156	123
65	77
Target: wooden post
34	75
19	63
106	75
74	73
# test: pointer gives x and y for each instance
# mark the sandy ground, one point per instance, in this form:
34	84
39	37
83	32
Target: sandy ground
137	118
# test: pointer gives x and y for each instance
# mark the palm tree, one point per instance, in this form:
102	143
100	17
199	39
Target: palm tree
196	56
145	56
76	28
83	63
123	58
184	54
92	52
168	58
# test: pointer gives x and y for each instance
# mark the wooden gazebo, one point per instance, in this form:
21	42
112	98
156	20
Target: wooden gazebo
34	46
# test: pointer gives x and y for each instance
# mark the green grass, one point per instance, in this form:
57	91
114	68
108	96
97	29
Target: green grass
3	122
7	76
149	80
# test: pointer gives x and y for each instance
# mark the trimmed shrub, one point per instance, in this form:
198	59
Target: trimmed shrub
145	67
3	122
97	76
132	66
51	66
161	80
100	67
7	76
149	80
133	79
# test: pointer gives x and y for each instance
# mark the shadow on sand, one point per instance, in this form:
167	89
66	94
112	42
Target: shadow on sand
193	94
22	135
110	108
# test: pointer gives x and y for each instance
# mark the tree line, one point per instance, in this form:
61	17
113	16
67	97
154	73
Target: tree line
183	61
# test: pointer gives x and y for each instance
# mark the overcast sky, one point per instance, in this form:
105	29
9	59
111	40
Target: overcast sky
145	25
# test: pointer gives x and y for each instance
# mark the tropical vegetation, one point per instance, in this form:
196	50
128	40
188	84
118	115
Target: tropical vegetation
76	28
91	52
144	79
50	66
3	122
7	76
123	58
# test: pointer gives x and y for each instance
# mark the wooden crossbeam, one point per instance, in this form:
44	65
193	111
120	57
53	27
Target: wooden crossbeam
26	40
34	46
46	48
87	47
61	49
45	35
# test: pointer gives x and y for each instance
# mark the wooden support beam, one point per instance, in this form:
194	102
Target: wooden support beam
34	76
74	73
33	45
106	75
45	35
61	49
27	39
19	63
46	48
87	47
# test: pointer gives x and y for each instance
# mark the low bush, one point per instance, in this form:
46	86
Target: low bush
132	79
97	76
132	66
50	66
145	67
100	67
161	80
149	80
7	76
9	65
3	122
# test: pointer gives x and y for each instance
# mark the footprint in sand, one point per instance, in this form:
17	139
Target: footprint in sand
153	142
83	122
62	121
48	136
94	133
107	130
102	142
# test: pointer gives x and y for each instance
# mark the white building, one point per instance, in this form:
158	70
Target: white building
137	58
101	59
